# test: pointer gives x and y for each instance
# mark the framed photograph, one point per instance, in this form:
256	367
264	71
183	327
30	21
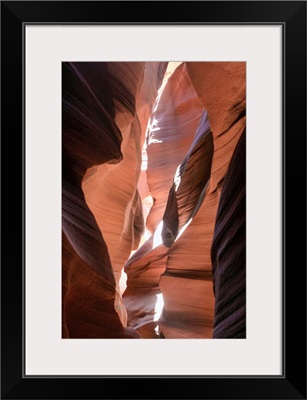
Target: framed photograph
154	155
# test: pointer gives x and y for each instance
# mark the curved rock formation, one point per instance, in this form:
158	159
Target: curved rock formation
172	127
190	184
90	136
228	250
187	281
100	200
221	87
111	191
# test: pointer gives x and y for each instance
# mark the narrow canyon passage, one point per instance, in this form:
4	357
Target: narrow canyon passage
153	196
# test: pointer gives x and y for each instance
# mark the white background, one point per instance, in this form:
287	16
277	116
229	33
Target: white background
46	352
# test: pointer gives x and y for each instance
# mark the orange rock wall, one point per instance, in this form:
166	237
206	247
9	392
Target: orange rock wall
193	122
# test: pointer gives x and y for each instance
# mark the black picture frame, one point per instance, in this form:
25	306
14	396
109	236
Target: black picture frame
292	16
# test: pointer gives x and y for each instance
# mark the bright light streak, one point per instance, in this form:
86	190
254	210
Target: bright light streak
177	178
183	228
157	240
158	307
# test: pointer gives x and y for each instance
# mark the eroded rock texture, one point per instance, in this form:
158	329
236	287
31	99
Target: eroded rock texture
222	90
228	250
111	190
173	124
102	218
194	253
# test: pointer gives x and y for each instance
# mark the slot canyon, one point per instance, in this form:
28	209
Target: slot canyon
154	200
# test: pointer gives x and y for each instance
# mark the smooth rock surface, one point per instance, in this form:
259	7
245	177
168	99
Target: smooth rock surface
153	191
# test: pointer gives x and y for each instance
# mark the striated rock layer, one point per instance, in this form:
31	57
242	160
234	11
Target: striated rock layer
228	250
171	130
173	124
221	87
111	190
102	218
89	137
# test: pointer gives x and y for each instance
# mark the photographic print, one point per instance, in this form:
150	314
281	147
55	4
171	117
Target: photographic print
153	200
147	212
